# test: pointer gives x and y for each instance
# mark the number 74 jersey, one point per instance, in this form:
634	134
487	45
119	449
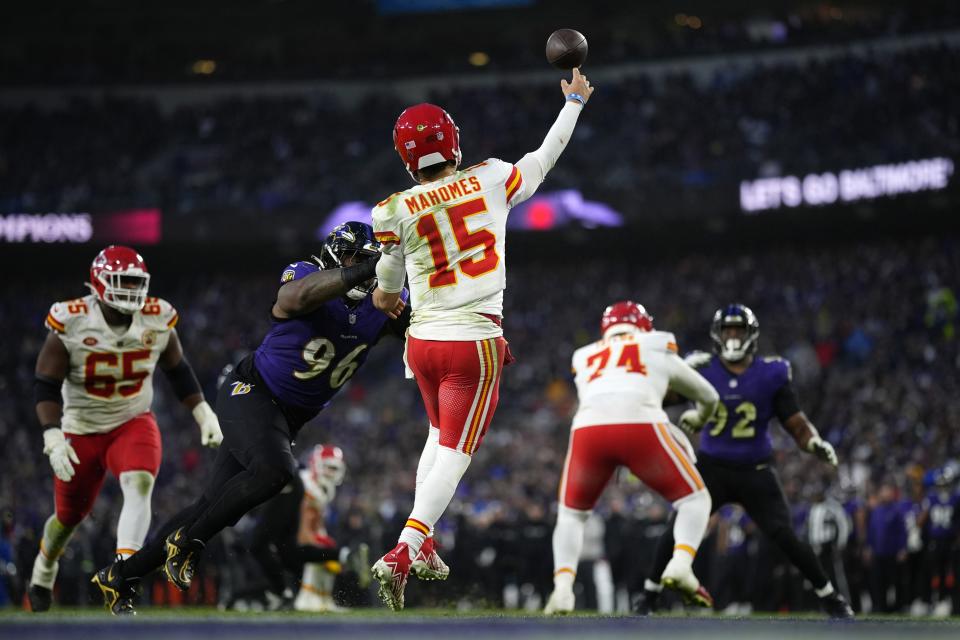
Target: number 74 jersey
451	234
623	379
110	379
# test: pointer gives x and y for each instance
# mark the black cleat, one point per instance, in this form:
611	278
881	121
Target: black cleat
40	598
647	603
182	556
836	606
117	592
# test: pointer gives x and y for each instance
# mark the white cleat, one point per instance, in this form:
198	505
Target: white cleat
679	577
560	602
307	600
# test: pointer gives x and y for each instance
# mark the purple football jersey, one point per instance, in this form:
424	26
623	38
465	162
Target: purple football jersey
738	432
305	360
942	510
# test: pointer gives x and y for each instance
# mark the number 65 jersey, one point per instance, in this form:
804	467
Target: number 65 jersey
451	235
623	379
110	380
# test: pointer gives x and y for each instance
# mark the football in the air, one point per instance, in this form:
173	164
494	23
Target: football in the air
566	48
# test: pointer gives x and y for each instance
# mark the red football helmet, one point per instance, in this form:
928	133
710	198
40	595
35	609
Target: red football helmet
327	464
424	135
119	278
625	312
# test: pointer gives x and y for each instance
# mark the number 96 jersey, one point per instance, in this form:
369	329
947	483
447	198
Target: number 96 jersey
110	380
305	360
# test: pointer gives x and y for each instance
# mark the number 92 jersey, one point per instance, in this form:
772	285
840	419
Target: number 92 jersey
738	432
110	380
305	360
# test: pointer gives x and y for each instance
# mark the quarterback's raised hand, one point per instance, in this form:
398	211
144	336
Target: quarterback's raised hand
61	454
578	88
823	450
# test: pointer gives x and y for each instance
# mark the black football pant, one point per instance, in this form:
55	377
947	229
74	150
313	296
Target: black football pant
758	489
253	464
274	543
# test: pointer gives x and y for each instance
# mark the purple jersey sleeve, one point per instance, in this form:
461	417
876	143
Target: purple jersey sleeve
297	270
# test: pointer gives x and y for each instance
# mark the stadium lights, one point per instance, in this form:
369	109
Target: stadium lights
479	59
204	67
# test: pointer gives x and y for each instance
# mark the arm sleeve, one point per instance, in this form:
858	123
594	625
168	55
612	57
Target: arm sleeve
535	166
785	403
391	271
183	380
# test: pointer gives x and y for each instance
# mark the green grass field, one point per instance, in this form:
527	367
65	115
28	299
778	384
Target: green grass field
442	623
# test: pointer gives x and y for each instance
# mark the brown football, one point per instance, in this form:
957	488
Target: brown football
566	48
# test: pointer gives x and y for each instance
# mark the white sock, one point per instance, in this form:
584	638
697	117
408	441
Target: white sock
825	590
54	541
134	523
433	495
567	543
650	585
317	580
428	455
693	514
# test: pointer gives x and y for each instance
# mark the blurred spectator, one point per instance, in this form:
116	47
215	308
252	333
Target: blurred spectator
887	551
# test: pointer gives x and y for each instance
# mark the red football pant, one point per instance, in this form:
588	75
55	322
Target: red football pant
650	451
460	385
133	446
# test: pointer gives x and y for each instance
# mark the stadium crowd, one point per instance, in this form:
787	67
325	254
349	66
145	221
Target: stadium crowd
870	329
294	155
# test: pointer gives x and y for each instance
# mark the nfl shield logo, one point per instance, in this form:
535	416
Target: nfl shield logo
352	318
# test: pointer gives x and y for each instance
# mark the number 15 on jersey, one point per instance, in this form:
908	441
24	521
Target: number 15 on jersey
466	240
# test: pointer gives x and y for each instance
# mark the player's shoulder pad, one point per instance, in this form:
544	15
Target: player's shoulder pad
662	340
66	313
297	270
491	171
582	353
385	222
781	366
159	313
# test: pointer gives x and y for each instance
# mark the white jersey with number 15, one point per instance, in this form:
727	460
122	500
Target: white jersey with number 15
451	235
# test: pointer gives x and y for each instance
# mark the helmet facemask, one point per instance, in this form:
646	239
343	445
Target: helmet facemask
736	347
125	291
343	248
